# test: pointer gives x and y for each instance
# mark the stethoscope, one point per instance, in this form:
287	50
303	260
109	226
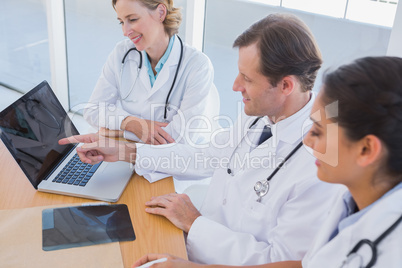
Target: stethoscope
353	256
261	188
138	73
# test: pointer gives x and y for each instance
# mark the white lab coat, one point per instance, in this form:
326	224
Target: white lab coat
194	94
370	226
234	228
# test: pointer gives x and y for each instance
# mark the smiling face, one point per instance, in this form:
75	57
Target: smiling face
140	24
336	154
260	97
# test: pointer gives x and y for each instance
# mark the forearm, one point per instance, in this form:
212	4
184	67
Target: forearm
104	114
131	123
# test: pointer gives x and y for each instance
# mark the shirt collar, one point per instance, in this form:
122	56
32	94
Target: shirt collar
289	130
160	63
351	215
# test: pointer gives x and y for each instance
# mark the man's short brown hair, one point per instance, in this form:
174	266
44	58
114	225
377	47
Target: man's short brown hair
287	47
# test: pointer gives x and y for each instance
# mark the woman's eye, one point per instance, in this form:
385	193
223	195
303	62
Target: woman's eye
314	133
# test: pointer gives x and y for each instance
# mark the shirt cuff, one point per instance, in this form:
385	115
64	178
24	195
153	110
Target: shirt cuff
120	119
144	169
128	135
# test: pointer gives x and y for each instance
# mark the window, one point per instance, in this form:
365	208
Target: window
24	44
92	31
379	12
328	8
340	40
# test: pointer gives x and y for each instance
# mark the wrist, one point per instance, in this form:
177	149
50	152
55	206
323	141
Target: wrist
191	223
129	123
130	152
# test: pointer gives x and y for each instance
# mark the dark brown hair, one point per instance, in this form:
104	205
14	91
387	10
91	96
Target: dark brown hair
369	95
287	47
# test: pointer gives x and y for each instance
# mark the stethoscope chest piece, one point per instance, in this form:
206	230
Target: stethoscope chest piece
353	260
261	188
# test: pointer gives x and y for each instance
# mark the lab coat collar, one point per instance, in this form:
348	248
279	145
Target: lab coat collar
292	128
352	216
370	226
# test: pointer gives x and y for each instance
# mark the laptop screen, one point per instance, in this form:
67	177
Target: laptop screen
31	128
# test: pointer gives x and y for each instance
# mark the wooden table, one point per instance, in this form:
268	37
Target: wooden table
154	234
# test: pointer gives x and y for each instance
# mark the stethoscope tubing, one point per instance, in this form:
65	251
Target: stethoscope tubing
228	169
373	244
266	181
140	67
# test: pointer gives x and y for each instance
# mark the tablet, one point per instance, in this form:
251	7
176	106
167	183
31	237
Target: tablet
85	226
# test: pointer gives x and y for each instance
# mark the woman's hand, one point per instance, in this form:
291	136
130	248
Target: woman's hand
148	131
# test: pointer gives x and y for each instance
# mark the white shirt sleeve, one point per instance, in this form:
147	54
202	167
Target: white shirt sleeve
182	161
179	160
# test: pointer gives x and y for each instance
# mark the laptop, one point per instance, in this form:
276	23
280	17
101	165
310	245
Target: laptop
31	127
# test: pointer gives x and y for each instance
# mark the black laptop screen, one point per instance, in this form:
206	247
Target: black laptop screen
31	127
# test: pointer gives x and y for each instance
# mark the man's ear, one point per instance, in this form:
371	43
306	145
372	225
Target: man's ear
370	149
162	11
287	84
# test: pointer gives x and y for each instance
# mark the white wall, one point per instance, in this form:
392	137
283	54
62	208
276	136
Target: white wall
340	41
395	42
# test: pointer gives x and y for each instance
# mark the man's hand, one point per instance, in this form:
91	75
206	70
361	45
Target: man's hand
172	261
97	148
111	133
148	131
175	207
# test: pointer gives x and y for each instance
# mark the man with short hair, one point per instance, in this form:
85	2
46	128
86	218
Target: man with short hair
256	210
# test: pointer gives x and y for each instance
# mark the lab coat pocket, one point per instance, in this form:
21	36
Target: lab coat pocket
256	216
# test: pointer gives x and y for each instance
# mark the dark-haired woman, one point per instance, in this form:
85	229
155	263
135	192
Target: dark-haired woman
357	140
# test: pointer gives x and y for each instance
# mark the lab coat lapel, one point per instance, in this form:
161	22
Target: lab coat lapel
144	77
243	140
370	226
169	69
330	225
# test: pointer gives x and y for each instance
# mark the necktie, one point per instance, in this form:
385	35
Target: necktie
265	135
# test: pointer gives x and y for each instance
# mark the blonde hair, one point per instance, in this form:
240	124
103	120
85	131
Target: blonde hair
173	15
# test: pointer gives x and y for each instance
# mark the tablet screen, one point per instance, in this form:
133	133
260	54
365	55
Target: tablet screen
85	225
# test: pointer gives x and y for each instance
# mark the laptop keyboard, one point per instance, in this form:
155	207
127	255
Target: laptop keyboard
76	172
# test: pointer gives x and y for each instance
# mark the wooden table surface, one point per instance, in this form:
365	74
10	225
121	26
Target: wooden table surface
154	234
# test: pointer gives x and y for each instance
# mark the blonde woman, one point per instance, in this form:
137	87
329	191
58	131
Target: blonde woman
153	87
